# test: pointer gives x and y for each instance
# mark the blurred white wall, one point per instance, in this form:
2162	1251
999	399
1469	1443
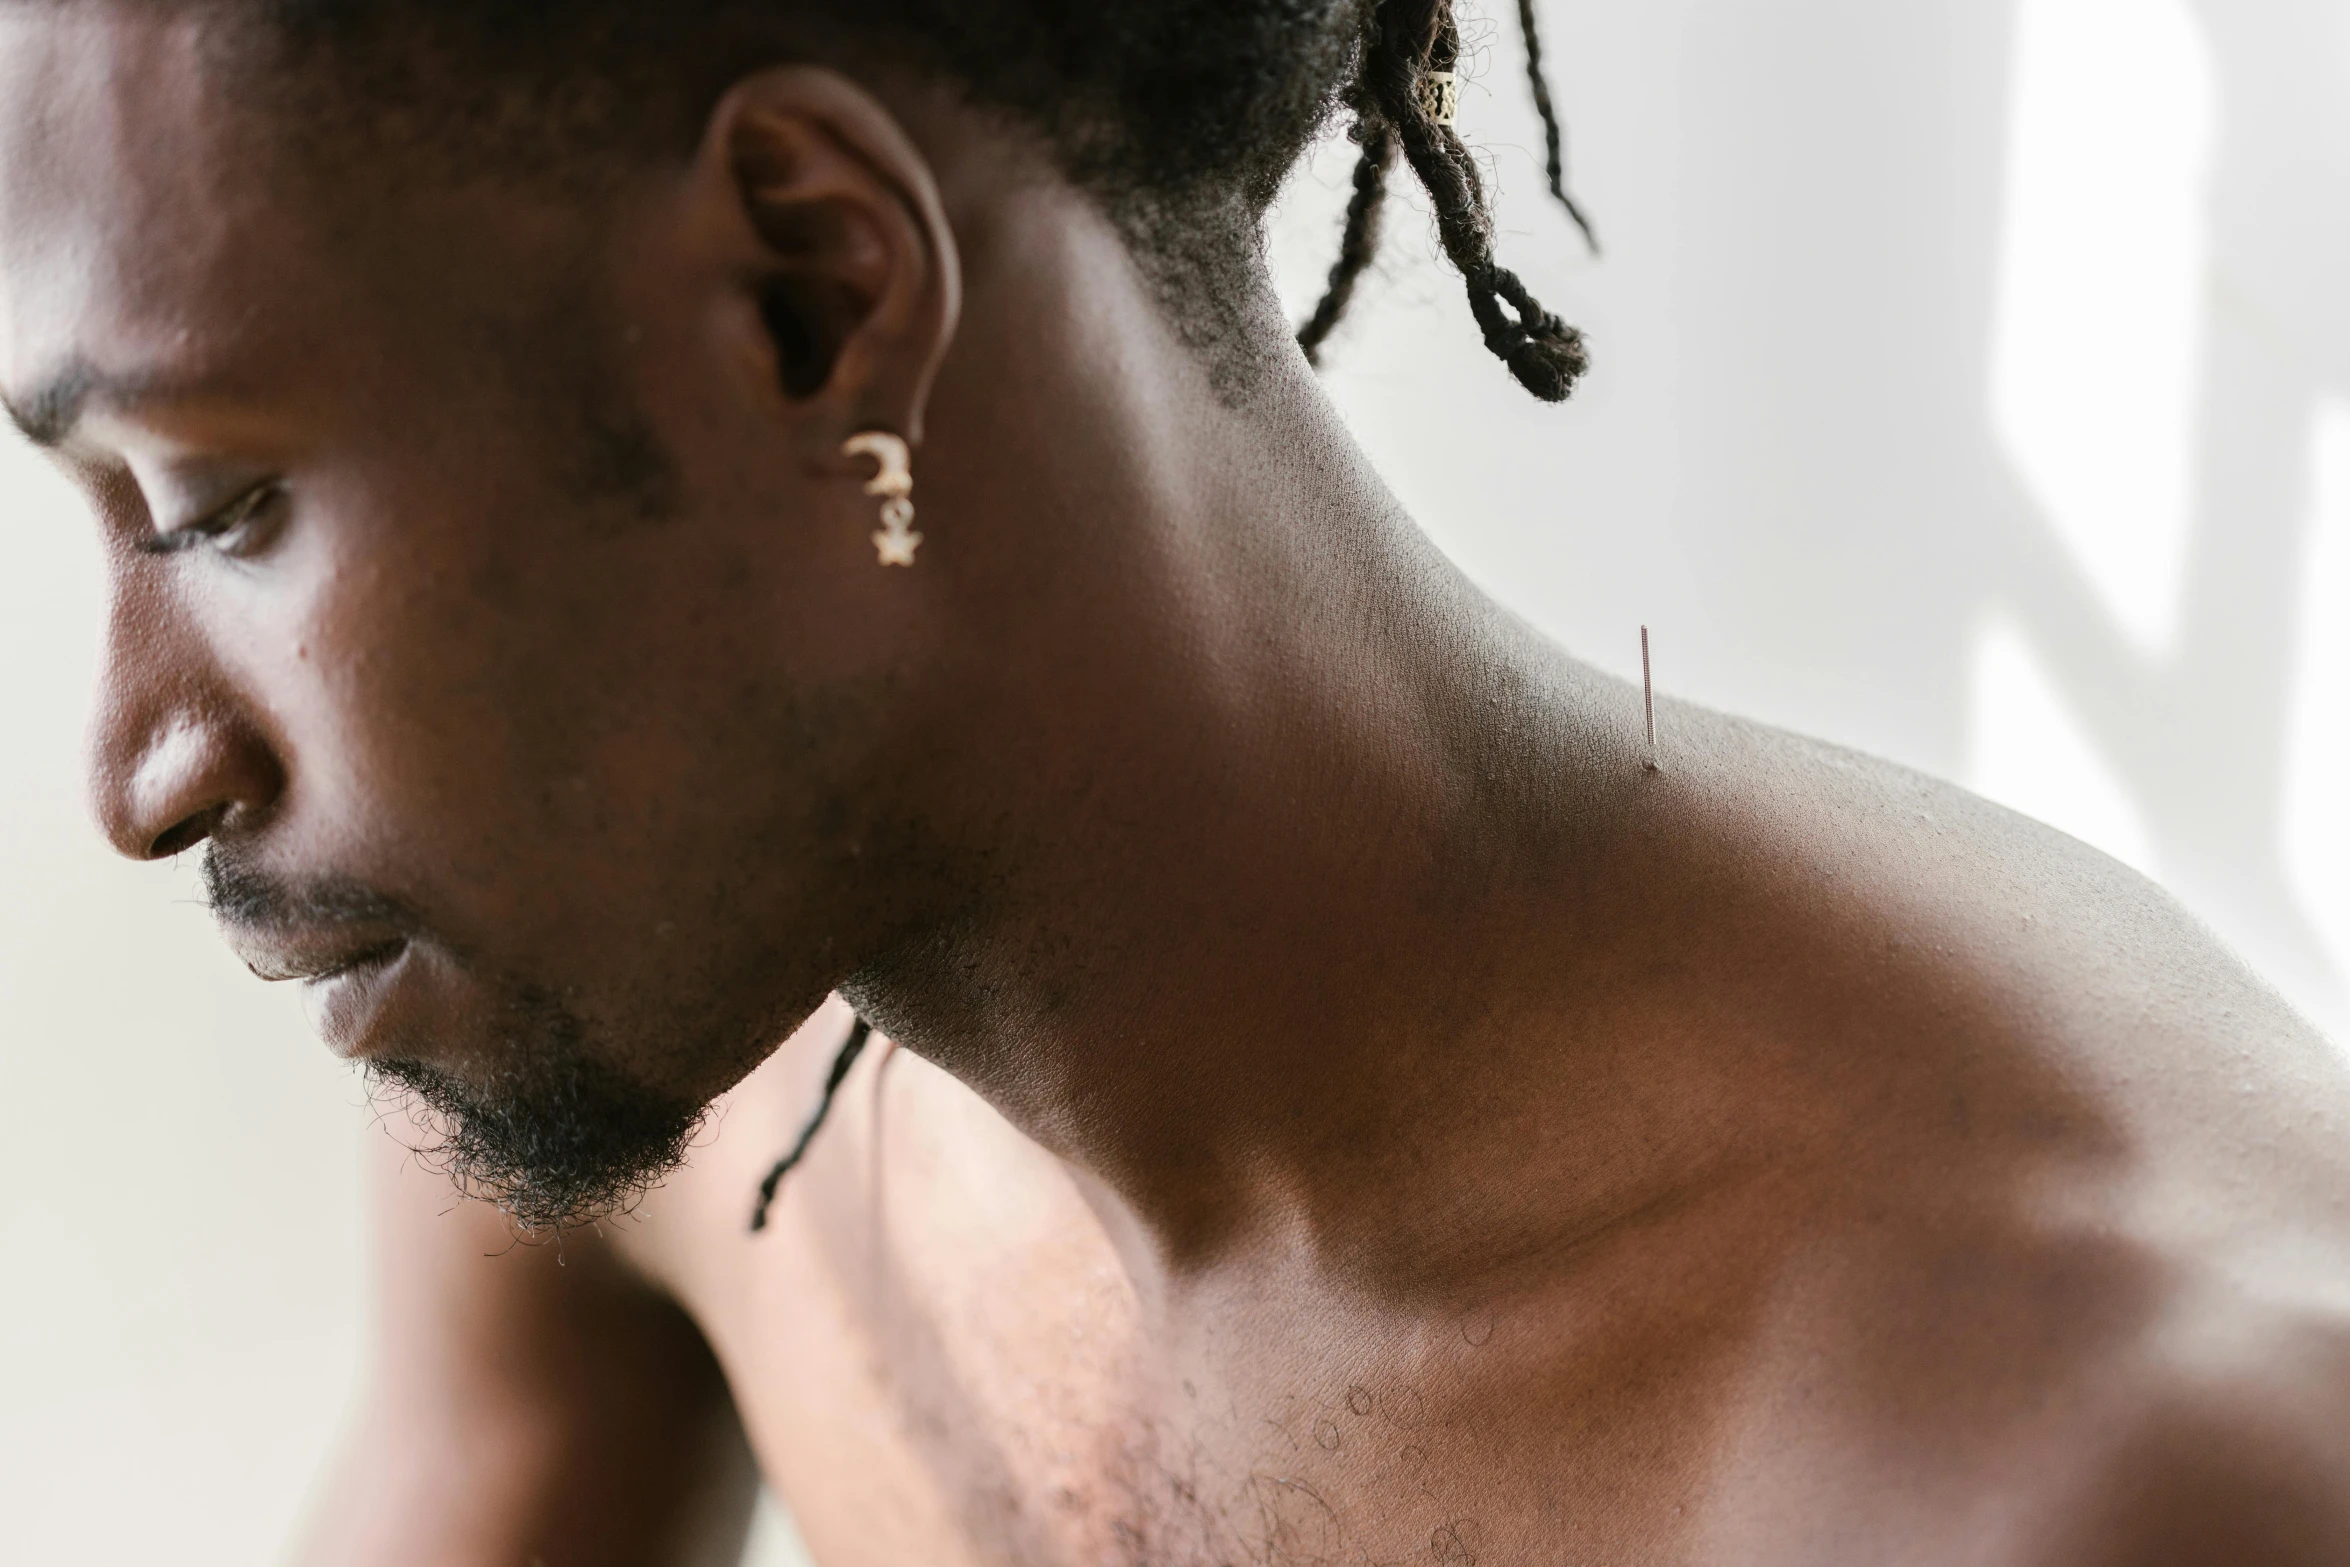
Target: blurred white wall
1973	387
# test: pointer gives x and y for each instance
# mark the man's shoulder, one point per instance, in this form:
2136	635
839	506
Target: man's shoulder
2213	1431
2031	1393
2232	1447
1957	982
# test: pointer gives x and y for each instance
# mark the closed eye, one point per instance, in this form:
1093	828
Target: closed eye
230	528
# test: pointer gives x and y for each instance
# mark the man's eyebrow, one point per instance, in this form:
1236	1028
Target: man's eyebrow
47	414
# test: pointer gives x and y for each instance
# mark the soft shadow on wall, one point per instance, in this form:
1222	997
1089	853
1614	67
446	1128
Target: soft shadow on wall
1973	388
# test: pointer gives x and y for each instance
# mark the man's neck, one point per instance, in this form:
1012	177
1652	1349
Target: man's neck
1281	819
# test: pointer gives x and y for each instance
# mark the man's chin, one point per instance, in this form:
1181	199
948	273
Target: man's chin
554	1139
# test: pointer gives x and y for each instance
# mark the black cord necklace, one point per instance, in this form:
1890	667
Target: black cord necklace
859	1032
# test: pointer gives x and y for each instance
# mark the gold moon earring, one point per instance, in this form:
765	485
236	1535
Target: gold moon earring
893	480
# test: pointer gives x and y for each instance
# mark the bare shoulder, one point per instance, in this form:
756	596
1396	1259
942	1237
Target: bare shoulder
2018	1376
2233	1448
2070	1277
2010	958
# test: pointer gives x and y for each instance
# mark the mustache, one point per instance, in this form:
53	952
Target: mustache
241	893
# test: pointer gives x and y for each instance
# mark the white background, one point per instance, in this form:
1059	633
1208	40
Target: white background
1973	386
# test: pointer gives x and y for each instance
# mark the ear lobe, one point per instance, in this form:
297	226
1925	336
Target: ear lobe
859	280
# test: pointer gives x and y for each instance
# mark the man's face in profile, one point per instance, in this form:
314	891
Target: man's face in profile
459	602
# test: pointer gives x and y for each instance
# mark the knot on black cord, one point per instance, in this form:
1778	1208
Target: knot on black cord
1545	354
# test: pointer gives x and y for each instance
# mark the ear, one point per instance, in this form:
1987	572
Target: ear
836	218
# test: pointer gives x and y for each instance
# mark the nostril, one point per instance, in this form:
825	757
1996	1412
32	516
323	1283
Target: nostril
183	837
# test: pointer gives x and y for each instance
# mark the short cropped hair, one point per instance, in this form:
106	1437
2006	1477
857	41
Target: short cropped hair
1181	116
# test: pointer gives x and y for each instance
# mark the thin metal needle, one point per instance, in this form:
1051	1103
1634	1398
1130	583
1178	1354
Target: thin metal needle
1648	695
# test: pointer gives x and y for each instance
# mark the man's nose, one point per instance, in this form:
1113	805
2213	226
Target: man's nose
174	757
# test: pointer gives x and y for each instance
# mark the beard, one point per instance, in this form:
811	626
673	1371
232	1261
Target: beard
554	1136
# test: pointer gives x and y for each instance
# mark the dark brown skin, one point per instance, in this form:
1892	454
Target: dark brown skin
1347	1108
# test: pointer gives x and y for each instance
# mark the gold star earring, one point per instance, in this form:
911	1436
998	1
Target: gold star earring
893	480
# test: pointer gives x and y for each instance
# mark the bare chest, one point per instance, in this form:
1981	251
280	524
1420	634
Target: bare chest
932	1346
939	1358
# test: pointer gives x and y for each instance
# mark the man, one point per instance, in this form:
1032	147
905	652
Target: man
1349	1102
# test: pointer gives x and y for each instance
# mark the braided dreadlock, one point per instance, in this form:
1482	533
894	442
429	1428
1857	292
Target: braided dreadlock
1554	139
1405	40
1361	242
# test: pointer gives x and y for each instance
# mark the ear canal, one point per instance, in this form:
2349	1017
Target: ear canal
806	345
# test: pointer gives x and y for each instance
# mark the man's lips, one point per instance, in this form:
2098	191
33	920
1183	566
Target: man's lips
348	974
278	955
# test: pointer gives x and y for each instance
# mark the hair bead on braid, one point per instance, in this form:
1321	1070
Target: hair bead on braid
1404	41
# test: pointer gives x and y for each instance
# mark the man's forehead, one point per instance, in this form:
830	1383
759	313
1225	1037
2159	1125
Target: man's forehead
117	208
168	219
